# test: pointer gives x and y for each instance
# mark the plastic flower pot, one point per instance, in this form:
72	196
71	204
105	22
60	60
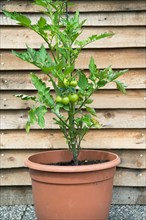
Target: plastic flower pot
72	192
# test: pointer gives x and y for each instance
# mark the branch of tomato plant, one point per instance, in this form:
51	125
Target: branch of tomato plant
85	100
57	25
65	124
51	15
80	138
46	40
51	50
72	133
62	127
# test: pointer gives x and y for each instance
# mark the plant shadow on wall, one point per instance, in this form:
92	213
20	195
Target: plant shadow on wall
85	191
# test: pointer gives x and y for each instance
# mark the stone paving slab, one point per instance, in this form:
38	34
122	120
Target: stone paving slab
117	212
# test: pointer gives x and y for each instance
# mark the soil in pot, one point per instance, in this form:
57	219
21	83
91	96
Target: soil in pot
80	162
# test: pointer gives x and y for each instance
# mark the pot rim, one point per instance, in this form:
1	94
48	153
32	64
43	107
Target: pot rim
73	169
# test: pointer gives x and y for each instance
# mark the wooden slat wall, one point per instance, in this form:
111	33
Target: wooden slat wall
123	116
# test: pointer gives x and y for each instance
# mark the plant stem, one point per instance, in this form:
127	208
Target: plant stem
72	134
87	97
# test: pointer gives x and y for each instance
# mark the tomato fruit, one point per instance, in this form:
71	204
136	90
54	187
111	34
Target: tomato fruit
58	99
73	98
65	100
73	83
66	83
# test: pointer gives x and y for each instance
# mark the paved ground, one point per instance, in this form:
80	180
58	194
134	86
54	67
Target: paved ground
117	212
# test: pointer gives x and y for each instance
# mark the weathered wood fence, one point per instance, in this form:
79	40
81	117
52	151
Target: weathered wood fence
123	116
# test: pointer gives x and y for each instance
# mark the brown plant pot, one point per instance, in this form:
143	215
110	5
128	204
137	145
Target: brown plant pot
72	192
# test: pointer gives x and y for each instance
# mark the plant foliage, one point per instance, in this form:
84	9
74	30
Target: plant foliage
73	89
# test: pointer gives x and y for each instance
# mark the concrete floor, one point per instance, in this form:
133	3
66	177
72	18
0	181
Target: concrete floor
117	212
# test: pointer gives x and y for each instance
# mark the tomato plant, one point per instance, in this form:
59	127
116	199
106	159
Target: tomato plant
57	61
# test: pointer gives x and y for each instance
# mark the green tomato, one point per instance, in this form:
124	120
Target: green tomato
65	100
73	83
73	98
58	99
66	83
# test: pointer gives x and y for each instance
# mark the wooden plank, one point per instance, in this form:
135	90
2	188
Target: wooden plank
108	118
17	37
22	195
53	139
15	177
82	6
15	158
129	195
19	195
123	177
105	99
133	159
18	80
118	58
93	19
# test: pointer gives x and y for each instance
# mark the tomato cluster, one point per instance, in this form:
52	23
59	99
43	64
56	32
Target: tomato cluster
66	83
72	98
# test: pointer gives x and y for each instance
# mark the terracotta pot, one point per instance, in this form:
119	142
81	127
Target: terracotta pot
72	192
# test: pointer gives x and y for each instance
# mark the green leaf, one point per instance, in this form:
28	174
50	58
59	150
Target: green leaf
31	53
40	112
69	70
22	19
101	83
76	16
39	58
90	110
48	98
93	69
27	126
120	86
47	69
63	52
42	55
26	97
38	83
83	22
83	81
42	22
87	120
23	56
89	101
43	3
92	38
96	123
66	108
43	91
114	75
58	92
32	115
57	108
60	66
103	74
